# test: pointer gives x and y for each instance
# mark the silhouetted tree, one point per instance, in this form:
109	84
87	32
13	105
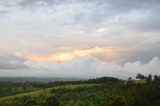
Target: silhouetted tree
149	79
140	76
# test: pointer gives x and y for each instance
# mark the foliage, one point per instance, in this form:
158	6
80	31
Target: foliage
106	91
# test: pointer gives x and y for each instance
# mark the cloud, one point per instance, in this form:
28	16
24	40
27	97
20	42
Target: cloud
86	67
34	28
69	55
100	30
9	62
12	65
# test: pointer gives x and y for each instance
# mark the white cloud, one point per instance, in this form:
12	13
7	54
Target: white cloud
38	27
86	67
100	30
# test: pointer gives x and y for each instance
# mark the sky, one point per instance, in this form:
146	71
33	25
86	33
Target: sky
79	38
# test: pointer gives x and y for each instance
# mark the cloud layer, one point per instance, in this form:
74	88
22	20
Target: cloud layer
86	67
38	27
51	37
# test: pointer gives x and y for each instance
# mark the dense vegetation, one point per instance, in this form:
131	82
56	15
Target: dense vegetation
106	91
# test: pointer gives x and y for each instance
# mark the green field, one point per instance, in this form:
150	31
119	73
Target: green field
46	92
106	91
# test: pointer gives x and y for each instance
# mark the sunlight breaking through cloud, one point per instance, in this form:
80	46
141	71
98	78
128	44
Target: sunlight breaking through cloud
67	56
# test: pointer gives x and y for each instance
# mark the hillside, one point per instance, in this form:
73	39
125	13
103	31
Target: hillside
106	91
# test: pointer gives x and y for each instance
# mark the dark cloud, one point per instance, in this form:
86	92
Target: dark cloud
30	3
6	58
144	55
3	12
133	4
12	62
12	66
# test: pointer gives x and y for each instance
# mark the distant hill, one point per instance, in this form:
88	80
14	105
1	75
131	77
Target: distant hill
36	79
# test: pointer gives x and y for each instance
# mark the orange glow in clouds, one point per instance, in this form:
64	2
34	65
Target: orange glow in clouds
65	56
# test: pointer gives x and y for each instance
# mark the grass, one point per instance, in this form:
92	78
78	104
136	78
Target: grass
139	81
45	91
